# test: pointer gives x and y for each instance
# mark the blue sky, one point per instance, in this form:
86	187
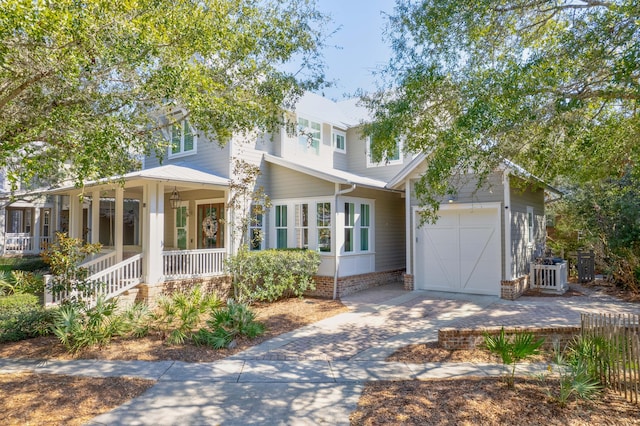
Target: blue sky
360	38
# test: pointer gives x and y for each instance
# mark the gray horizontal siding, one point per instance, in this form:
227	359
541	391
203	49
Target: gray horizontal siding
523	253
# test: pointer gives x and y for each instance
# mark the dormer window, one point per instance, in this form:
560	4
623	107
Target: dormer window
388	158
339	141
183	139
309	135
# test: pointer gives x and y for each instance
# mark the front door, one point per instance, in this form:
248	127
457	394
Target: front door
211	228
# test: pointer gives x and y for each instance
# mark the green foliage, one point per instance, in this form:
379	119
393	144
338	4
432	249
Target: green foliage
137	319
226	324
18	301
181	313
269	275
511	351
552	86
63	258
606	213
77	327
22	317
89	79
577	376
30	264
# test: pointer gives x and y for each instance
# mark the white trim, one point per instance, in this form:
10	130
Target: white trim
461	206
409	234
507	227
530	223
384	162
335	132
182	152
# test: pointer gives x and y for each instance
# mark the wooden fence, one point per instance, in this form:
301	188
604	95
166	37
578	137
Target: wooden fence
619	356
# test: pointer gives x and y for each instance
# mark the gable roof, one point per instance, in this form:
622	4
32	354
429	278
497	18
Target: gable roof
398	180
330	175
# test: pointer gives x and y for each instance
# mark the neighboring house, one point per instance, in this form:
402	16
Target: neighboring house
172	220
26	224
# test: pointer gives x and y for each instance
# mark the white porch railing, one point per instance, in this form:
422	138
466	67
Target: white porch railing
18	242
23	242
100	262
109	283
549	277
193	263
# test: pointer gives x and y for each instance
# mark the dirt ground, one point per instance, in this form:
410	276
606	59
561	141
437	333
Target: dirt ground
483	401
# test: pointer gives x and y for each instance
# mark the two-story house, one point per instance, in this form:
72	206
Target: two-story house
173	219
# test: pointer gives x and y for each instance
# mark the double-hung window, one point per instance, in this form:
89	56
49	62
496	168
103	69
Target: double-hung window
323	225
309	135
365	221
281	226
256	231
302	225
339	141
388	158
349	224
183	139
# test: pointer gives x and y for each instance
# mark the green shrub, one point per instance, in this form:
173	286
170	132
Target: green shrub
22	317
511	351
228	323
181	313
77	327
269	275
576	371
29	264
17	302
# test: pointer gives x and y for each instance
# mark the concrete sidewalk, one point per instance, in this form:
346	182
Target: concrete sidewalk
315	375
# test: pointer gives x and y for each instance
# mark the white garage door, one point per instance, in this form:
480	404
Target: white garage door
460	252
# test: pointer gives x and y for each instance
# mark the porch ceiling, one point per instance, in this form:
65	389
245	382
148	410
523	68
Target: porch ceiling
183	178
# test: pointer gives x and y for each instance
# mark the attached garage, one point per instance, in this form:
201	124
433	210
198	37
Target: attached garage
461	252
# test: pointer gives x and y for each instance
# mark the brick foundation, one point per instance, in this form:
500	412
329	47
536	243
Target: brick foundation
408	282
219	285
467	338
511	290
353	284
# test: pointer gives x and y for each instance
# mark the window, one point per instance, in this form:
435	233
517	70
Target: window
281	226
339	141
256	231
387	158
365	210
183	139
349	223
302	225
46	221
530	225
309	135
323	223
181	227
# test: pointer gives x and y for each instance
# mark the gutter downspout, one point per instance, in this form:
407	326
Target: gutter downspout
336	259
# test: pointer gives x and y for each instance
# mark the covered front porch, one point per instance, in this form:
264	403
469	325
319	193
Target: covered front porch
155	225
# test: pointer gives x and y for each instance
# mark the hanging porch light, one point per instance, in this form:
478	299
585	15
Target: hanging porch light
174	199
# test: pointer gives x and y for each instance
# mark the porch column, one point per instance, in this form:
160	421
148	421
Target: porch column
95	217
229	240
153	232
35	245
75	216
119	222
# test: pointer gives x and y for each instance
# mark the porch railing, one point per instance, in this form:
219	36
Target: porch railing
549	277
17	242
193	263
109	283
23	242
100	262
